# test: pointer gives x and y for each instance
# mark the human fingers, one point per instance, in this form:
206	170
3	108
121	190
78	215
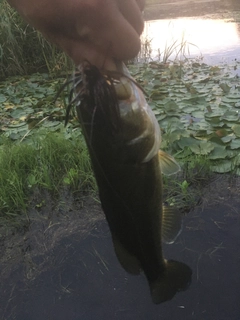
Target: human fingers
112	32
79	51
132	12
141	4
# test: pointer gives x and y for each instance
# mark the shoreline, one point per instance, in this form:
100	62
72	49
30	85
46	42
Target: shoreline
192	8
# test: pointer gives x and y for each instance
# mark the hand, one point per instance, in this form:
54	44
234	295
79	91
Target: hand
95	30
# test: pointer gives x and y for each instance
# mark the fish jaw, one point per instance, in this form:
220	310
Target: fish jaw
141	131
123	139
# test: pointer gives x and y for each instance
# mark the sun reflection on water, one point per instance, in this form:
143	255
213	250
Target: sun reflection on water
210	38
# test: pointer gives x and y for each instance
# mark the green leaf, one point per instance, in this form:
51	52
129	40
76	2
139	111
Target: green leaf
223	166
236	129
228	138
186	142
21	113
235	144
219	152
2	98
202	148
225	87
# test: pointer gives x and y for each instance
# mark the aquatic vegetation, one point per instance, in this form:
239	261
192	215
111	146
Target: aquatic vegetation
197	107
23	50
174	50
28	104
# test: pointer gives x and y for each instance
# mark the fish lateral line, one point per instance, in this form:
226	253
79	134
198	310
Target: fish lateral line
131	196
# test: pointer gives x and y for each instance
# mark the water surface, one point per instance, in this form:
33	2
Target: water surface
215	39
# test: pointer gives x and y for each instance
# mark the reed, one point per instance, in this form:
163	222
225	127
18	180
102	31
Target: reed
174	50
23	50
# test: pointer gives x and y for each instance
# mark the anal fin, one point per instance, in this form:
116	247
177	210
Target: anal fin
128	261
171	224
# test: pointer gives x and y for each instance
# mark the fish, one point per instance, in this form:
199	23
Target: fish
123	138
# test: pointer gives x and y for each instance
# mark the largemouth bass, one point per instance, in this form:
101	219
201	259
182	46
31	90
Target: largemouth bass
123	138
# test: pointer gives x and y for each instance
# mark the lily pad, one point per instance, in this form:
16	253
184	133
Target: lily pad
21	113
2	98
223	166
186	142
228	138
230	115
225	87
202	148
236	129
235	144
219	152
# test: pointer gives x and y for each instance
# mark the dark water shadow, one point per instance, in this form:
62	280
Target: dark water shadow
80	278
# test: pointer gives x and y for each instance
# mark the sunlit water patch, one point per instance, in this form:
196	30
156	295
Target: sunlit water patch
215	40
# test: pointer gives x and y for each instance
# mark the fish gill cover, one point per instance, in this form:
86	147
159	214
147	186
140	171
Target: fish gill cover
123	139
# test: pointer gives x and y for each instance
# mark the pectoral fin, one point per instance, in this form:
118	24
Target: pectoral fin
171	224
167	163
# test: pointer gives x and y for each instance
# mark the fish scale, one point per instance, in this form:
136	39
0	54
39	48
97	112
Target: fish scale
123	139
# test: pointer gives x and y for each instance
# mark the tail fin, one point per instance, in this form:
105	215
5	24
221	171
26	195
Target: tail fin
177	277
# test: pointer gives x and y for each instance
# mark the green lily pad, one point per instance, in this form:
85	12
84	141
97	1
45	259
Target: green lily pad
230	116
186	142
236	129
223	166
217	141
202	148
49	124
21	113
219	152
229	100
233	96
2	98
160	117
228	138
235	144
171	107
225	87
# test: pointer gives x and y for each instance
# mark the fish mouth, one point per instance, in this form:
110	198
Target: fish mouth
123	139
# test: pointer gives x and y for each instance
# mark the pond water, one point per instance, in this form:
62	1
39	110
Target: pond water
217	40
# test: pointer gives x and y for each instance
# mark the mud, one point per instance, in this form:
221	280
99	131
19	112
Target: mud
63	266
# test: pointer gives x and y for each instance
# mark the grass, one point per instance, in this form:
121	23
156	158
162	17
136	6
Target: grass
174	51
38	152
185	189
51	163
23	50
